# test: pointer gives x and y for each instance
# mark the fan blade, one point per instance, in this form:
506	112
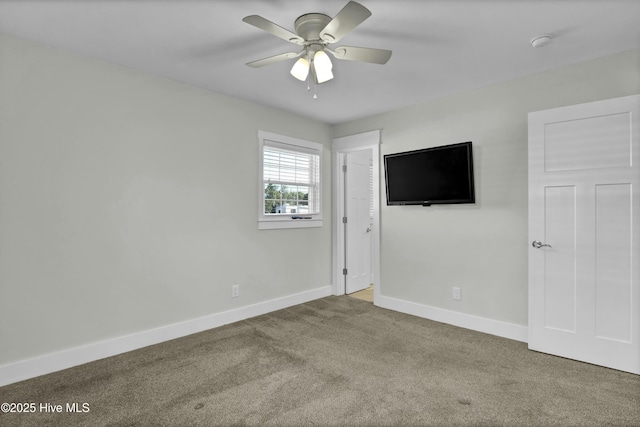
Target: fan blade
352	15
273	59
275	29
363	54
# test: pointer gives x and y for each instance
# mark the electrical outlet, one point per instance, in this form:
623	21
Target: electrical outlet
456	294
235	291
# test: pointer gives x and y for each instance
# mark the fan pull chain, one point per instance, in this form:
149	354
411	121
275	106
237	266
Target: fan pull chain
315	89
315	85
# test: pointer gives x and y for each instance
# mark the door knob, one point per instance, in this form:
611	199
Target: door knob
538	244
368	230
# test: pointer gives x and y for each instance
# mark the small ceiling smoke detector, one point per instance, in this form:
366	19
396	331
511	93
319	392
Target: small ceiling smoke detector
541	41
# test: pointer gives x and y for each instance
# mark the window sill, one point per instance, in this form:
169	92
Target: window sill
275	224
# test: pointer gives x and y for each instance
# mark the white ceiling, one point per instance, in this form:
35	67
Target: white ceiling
439	46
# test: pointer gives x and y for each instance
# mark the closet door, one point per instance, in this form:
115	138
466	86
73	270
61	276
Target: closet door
584	240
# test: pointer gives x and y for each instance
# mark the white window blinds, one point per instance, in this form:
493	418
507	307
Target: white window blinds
291	178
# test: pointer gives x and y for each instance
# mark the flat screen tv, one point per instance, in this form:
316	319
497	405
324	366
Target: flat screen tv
435	175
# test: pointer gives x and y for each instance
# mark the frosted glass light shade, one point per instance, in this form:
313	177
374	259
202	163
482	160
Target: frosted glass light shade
300	69
322	66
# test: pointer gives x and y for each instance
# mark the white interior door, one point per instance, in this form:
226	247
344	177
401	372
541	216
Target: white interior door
358	225
584	232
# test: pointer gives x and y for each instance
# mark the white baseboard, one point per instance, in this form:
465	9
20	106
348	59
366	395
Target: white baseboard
48	363
476	323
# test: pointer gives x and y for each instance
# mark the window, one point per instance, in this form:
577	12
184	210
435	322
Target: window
289	182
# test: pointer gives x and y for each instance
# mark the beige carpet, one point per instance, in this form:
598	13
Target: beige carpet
334	361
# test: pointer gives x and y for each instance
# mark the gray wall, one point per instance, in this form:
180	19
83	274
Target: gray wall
481	248
129	202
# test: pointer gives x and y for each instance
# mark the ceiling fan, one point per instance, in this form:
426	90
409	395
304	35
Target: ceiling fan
315	32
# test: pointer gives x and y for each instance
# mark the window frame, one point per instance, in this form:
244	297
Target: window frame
270	222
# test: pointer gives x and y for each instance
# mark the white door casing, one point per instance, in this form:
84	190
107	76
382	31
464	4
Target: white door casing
358	225
584	232
340	148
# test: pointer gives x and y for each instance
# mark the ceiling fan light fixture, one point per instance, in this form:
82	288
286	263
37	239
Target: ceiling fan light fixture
315	32
300	69
324	76
322	66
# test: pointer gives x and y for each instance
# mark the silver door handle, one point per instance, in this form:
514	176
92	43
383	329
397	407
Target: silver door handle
538	244
368	230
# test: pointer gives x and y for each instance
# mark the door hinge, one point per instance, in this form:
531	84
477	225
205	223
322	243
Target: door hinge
344	271
344	219
344	168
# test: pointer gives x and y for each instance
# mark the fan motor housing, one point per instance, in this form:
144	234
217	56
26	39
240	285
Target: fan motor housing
308	26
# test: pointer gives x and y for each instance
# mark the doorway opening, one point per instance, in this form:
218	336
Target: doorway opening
356	219
364	295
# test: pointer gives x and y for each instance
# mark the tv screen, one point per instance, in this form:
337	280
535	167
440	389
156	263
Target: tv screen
436	175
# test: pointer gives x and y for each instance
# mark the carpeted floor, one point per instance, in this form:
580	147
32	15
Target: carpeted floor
334	361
